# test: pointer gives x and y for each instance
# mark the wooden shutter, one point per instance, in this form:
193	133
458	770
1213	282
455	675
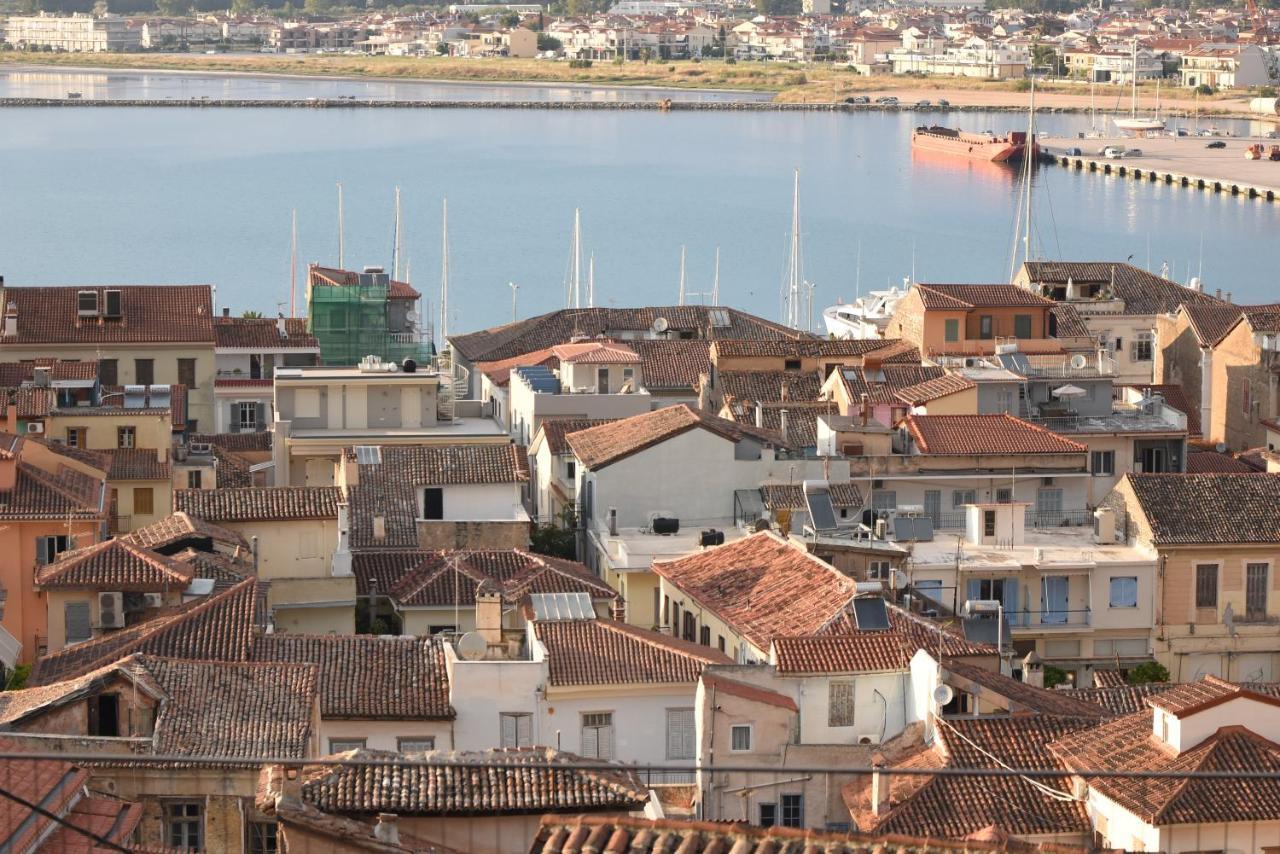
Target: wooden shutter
840	704
509	737
76	615
42	551
260	416
680	734
591	742
233	420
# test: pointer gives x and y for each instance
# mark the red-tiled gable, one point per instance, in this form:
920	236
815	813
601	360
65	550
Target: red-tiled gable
499	372
930	390
317	275
672	365
892	352
1209	508
37	494
1190	697
975	435
753	386
796	348
1127	744
600	446
954	807
369	678
260	504
1211	321
790	496
554	430
608	652
762	587
515	781
135	464
969	297
218	628
443	579
13	374
1142	292
1212	462
1025	697
178	530
557	327
262	334
31	402
446	465
865	652
746	691
150	314
596	352
802	419
114	565
1068	323
1176	397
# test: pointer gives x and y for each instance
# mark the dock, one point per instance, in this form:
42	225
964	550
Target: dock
1180	161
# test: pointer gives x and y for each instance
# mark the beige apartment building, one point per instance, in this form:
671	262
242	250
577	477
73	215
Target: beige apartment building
77	33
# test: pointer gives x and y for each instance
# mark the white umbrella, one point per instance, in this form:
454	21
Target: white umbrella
1069	391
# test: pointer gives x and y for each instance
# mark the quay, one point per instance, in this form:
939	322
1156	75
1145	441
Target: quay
1179	161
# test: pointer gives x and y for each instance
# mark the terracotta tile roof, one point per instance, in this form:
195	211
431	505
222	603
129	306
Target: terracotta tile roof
1209	508
233	709
1210	322
802	419
1068	323
954	807
177	530
513	782
394	502
363	677
672	365
557	327
444	465
317	275
13	374
260	504
134	464
747	691
114	565
217	628
753	386
441	579
31	402
231	382
865	652
591	834
151	314
892	353
259	441
1142	292
762	587
974	435
968	297
1118	699
931	390
1176	397
38	494
499	372
1188	698
1026	697
1109	679
596	352
796	348
790	496
609	652
1212	462
1128	744
554	430
101	815
263	334
223	570
600	446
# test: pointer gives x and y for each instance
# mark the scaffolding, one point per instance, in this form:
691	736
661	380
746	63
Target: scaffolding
356	316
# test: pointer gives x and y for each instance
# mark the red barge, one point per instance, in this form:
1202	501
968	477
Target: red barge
978	146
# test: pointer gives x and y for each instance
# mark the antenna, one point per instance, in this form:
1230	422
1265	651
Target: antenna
682	276
341	230
395	251
857	278
444	273
514	288
293	268
715	287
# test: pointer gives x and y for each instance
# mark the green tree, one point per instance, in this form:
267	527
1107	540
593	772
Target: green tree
173	8
317	7
241	8
1054	676
511	19
1148	671
546	42
252	314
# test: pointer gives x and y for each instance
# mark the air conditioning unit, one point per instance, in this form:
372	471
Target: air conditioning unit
111	610
153	600
35	427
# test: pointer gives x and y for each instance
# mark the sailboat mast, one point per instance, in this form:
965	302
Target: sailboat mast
794	274
575	263
293	267
395	252
1029	155
341	232
444	273
1133	102
591	281
682	277
715	285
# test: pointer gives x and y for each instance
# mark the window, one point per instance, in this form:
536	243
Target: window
1022	326
442	629
1207	585
187	372
262	837
768	815
1004	400
87	303
1124	591
308	543
104	715
194	479
878	570
1255	591
76	616
48	548
108	372
961	497
77	437
1143	348
720	642
570	470
144	371
517	729
984	327
1054	599
690	632
416	744
1004	495
1049	502
597	735
792	811
126	437
1246	397
185	825
342	745
951	329
740	738
988	523
704	636
791	364
680	731
433	503
1103	462
143	500
840	701
884	499
1155	460
246	417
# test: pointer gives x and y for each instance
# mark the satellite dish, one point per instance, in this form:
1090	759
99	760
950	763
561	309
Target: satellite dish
943	694
661	325
1078	361
472	647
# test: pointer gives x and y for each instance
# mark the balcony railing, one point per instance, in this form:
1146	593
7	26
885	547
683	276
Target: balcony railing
1037	519
1051	619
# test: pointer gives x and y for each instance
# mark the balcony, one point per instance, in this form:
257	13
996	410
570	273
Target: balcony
1037	519
1152	418
1066	620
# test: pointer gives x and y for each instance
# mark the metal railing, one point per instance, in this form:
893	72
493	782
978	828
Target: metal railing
1037	519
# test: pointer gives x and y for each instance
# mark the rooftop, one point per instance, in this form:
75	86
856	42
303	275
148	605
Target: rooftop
609	652
598	447
260	504
1050	548
984	435
148	314
965	297
1186	509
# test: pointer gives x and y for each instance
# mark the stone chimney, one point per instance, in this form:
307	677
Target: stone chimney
782	425
489	613
879	789
342	554
864	408
1033	670
387	830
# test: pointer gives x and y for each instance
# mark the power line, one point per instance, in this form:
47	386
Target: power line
18	799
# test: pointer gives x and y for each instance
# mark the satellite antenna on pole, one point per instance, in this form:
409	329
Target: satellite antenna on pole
472	646
943	694
660	325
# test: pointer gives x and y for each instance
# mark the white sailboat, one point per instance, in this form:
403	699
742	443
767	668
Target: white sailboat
1136	124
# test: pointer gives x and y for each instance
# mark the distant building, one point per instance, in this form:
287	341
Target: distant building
72	33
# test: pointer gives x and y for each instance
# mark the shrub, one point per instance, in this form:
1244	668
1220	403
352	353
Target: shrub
579	63
1148	671
1267	92
1204	89
1054	676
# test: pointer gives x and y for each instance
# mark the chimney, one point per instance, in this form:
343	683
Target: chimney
1033	670
379	528
1227	296
613	521
386	830
618	610
11	320
865	408
226	311
782	425
782	393
489	613
759	415
342	554
281	328
162	455
1217	292
8	474
879	789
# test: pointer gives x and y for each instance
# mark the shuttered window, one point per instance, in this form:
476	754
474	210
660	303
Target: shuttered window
680	734
840	704
597	735
77	619
1207	585
517	729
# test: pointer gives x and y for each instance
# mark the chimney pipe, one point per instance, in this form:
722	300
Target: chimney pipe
759	415
879	790
226	311
865	408
613	521
782	425
11	320
1227	296
782	393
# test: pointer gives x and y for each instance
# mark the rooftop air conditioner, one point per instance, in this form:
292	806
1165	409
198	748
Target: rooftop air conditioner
111	610
35	427
153	600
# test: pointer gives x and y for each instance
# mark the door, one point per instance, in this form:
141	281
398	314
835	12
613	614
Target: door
1053	599
933	506
602	380
433	503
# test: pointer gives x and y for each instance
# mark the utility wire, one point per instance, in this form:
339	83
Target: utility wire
101	840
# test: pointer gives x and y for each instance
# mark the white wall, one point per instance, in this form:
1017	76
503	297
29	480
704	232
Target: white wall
383	735
881	719
479	502
481	690
1260	718
529	409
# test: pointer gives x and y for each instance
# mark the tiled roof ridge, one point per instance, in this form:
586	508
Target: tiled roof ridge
56	483
660	641
70	560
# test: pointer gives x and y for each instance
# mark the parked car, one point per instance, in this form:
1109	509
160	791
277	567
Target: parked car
1217	143
887	100
1133	152
923	104
1073	152
943	102
1113	152
858	99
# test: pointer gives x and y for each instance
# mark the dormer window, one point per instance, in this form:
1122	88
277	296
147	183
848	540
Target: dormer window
87	303
112	307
